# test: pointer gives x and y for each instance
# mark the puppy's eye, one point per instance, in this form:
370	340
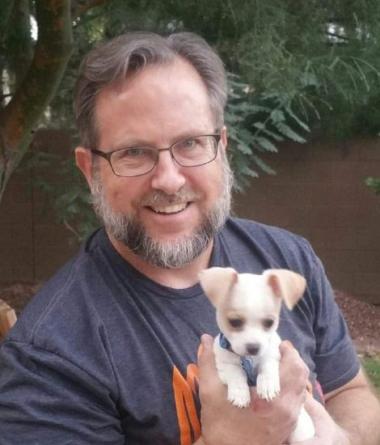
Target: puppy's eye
267	323
236	322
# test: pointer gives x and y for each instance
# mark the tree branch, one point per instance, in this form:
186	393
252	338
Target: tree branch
22	113
338	36
6	9
80	7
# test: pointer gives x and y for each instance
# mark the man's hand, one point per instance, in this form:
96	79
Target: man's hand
327	432
263	423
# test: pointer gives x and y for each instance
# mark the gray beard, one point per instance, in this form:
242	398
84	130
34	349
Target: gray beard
170	254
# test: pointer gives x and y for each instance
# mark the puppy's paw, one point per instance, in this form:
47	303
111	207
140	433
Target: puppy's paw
268	386
239	395
224	376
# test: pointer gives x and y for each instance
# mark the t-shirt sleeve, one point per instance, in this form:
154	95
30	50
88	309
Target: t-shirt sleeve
335	357
46	399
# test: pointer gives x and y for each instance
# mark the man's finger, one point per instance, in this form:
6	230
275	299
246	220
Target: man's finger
318	415
288	350
206	344
206	359
209	382
315	410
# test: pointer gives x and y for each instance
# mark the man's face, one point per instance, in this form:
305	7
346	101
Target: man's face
169	215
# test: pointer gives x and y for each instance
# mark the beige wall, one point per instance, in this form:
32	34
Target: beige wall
319	192
32	244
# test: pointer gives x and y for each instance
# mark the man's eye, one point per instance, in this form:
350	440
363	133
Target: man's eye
267	323
187	144
134	152
236	322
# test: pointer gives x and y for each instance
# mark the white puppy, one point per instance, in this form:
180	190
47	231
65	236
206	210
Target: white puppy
248	310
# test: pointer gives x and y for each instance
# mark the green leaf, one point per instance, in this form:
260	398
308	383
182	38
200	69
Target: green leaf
270	133
263	165
277	116
289	133
299	121
244	148
266	144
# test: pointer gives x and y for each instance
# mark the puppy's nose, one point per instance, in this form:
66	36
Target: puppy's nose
253	348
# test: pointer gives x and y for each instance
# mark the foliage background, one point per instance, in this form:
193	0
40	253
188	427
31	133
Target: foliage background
297	70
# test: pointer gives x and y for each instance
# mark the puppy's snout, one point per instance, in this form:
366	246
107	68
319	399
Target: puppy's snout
252	348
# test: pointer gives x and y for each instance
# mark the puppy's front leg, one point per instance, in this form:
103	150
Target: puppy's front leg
268	380
233	375
268	377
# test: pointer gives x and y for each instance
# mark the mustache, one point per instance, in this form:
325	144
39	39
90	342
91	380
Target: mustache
158	197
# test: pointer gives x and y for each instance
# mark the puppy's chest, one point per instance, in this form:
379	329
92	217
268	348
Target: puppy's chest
251	364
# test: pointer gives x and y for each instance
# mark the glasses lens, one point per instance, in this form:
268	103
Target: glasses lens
195	151
133	161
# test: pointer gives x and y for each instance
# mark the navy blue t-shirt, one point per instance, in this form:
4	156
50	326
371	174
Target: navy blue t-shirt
104	355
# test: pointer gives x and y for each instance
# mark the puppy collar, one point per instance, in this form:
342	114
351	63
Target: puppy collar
224	343
246	363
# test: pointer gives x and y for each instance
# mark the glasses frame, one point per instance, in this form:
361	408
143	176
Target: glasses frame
107	155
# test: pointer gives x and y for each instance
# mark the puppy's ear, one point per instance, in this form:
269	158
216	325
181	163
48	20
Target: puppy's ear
217	282
286	284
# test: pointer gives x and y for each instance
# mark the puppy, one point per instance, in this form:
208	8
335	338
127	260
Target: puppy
248	311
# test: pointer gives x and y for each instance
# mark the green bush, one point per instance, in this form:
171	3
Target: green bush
374	184
372	367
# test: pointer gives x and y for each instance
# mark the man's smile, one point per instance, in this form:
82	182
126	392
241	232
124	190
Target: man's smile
169	209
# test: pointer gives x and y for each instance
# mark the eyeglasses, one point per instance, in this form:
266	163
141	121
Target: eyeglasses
136	161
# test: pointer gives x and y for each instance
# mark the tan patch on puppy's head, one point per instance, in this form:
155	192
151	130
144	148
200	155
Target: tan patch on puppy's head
287	285
217	283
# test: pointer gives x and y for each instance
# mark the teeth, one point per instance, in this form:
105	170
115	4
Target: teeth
170	209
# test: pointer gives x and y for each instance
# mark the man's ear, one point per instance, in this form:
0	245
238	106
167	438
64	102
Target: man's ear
83	159
217	282
223	137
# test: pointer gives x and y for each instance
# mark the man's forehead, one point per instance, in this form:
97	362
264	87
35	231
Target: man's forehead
170	99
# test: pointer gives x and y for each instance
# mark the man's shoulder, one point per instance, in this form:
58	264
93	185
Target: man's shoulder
64	323
263	233
59	301
250	242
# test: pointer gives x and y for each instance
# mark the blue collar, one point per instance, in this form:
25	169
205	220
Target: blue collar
224	343
246	363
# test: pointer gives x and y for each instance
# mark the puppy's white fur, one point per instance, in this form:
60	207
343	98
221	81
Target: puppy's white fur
248	310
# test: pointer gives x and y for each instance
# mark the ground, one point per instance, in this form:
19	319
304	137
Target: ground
363	319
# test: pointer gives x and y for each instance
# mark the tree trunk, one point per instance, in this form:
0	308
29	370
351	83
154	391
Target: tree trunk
21	115
21	42
6	11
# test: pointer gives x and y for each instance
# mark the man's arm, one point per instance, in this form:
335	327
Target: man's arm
351	416
356	409
46	399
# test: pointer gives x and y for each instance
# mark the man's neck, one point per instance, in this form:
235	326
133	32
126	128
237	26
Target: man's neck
180	278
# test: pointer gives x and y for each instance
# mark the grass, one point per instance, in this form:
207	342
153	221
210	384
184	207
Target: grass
372	367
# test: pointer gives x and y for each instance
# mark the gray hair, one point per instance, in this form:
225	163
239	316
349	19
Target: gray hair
130	52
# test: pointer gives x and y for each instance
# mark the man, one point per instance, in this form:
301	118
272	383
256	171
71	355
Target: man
106	353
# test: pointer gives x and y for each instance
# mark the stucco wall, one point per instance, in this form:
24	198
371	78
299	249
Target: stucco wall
32	243
318	192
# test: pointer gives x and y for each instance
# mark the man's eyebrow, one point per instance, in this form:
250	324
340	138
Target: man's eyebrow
145	143
133	143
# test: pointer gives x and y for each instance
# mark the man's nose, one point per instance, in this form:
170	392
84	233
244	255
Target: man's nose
167	174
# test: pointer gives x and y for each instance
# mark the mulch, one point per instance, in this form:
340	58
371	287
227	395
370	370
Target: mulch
363	319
